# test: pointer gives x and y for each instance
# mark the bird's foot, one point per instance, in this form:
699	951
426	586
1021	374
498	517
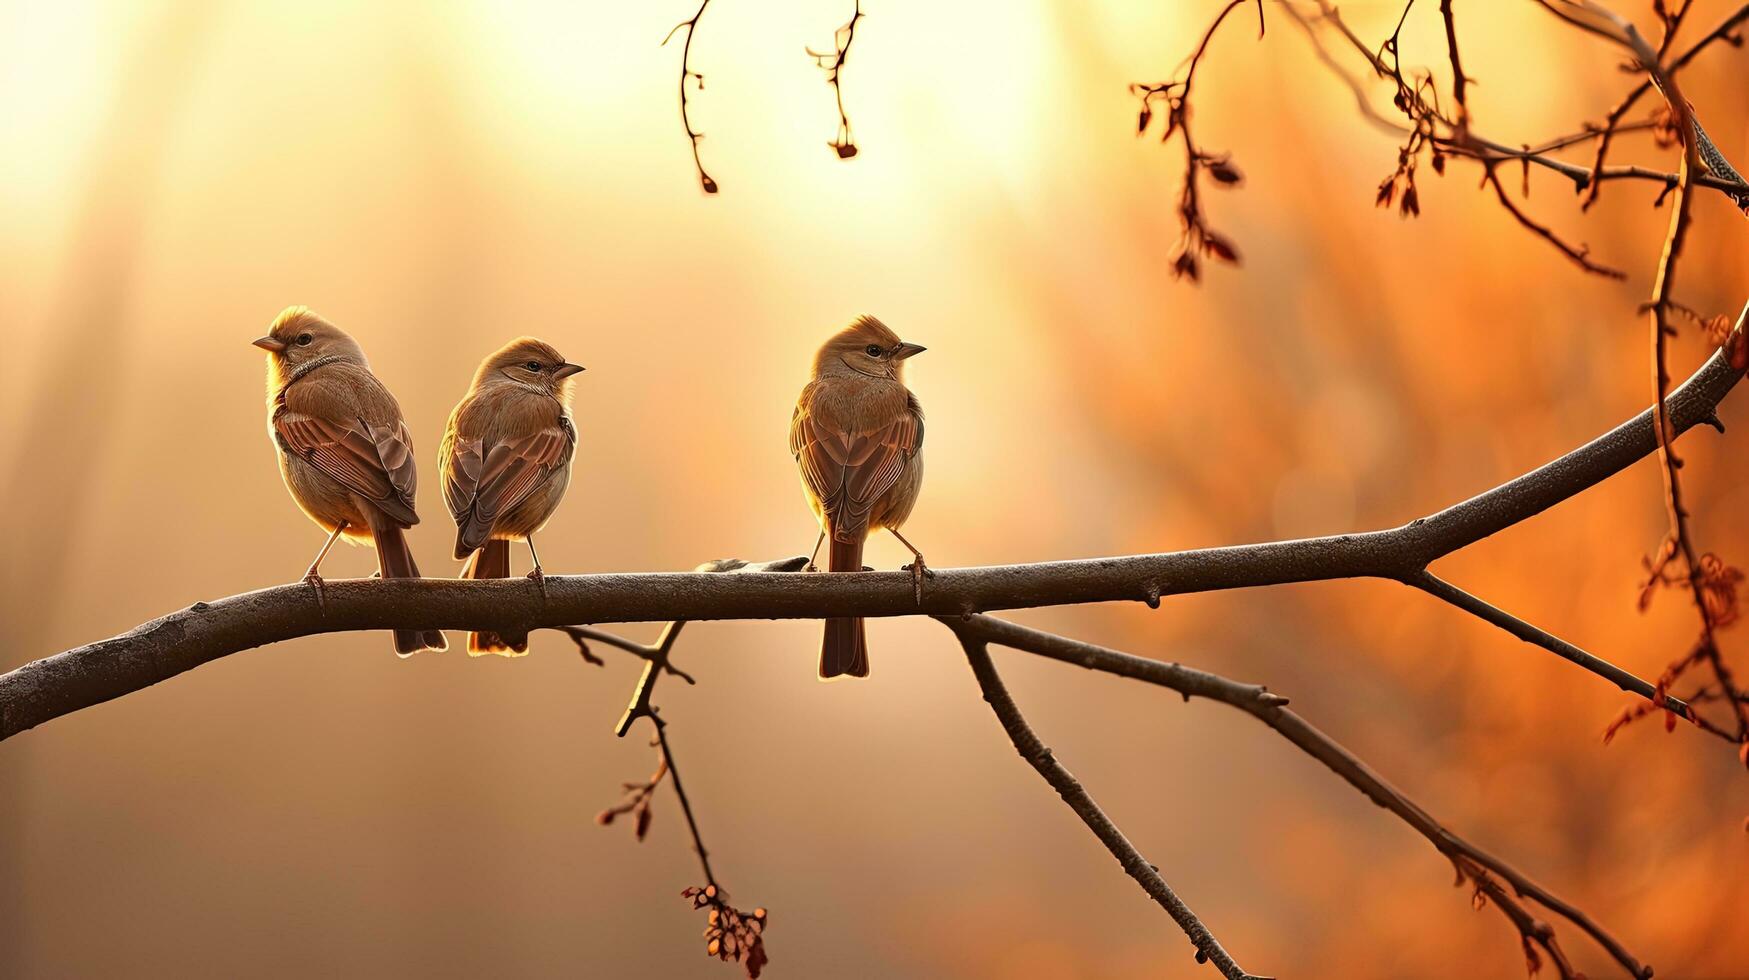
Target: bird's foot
314	581
919	571
540	580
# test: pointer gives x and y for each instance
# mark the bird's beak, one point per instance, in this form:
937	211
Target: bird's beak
566	370
906	350
269	343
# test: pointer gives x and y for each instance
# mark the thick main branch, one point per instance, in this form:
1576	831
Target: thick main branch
78	678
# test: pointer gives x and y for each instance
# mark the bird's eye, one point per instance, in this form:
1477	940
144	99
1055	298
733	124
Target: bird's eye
872	350
304	339
533	366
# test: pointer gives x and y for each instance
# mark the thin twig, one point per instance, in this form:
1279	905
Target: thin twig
704	858
1430	127
1439	588
1580	254
1679	540
1197	238
833	64
1459	81
730	934
1611	127
639	707
687	74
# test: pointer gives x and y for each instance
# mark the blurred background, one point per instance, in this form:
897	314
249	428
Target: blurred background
437	178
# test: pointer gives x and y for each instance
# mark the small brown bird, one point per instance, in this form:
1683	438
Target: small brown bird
344	450
857	435
506	460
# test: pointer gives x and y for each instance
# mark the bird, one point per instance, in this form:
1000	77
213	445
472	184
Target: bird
506	461
344	449
857	437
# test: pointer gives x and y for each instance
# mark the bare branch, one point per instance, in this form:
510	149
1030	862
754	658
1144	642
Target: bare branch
1471	861
1435	586
833	64
1208	949
1433	130
79	678
1697	150
730	934
1459	81
1580	254
690	25
1197	239
653	668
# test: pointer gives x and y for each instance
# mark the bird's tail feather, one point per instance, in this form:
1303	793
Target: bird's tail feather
394	560
493	561
844	649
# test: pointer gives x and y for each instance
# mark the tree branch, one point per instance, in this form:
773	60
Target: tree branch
1451	135
690	25
84	676
1208	949
730	934
843	143
1471	861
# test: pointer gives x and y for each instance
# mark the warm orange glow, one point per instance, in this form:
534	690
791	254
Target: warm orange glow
440	178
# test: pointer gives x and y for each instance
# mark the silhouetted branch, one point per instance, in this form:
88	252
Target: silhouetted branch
1208	949
1471	862
1580	254
1611	127
1435	586
1439	135
655	663
1459	81
79	678
690	25
833	64
656	656
1679	540
636	800
1197	238
730	934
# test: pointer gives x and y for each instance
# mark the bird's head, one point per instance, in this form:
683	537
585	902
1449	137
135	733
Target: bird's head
299	337
529	363
867	347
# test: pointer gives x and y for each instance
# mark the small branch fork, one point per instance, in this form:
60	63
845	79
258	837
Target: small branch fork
690	25
1432	132
843	143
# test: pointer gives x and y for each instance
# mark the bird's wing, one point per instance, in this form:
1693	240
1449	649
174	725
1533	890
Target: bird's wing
849	471
374	461
503	474
463	461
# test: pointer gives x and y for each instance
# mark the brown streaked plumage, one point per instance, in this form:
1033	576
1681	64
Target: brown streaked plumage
506	461
857	436
344	449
